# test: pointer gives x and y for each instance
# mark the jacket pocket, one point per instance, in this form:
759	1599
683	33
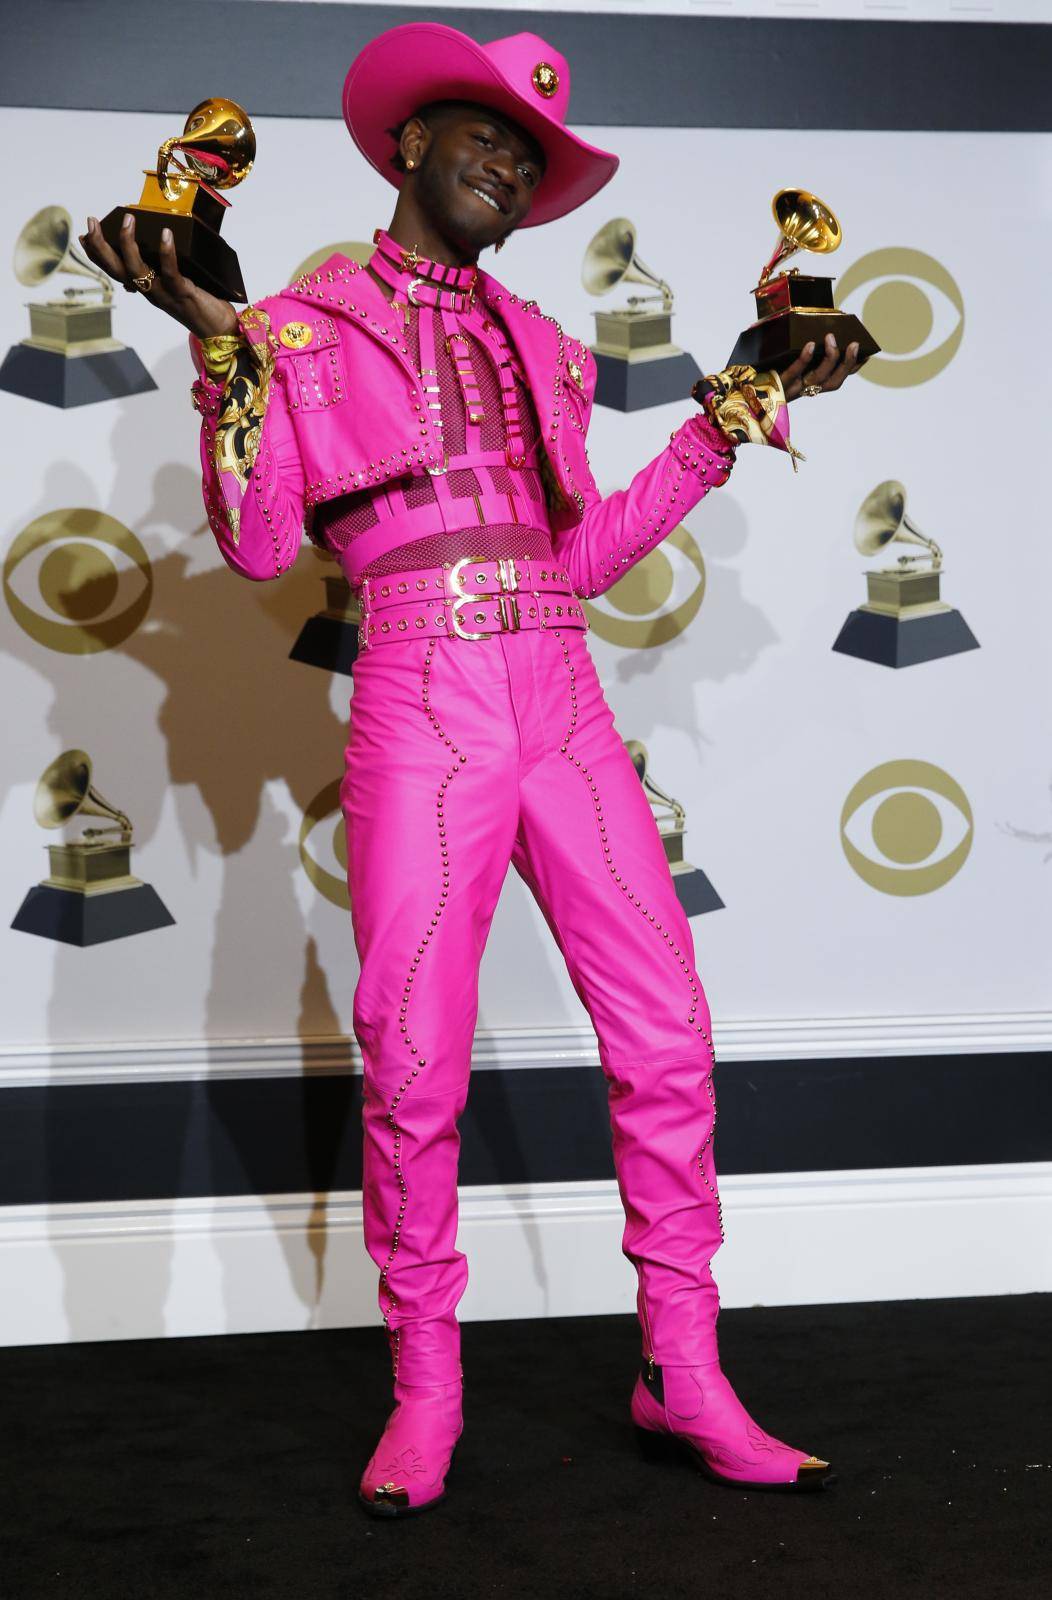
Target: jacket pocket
315	377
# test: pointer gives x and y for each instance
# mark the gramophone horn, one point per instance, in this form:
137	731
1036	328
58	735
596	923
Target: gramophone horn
45	245
882	520
65	789
638	752
804	223
218	145
611	259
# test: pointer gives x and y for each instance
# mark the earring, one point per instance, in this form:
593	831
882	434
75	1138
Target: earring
500	243
410	163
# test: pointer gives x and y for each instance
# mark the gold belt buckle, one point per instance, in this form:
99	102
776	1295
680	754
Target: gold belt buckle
456	580
507	605
508	579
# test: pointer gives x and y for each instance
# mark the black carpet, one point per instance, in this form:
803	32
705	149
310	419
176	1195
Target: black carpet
227	1467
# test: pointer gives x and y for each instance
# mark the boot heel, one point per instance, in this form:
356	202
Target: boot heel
656	1446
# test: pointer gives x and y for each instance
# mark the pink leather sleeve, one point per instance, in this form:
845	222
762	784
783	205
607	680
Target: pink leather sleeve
618	530
252	475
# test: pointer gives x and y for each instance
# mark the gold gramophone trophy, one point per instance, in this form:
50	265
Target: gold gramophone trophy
90	895
903	621
793	307
693	889
218	147
637	365
329	639
71	357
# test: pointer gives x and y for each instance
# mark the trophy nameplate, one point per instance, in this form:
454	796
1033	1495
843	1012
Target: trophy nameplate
218	146
70	357
904	619
794	307
693	888
637	364
91	895
329	639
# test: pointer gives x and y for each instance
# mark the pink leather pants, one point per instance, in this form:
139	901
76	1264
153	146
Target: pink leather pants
464	756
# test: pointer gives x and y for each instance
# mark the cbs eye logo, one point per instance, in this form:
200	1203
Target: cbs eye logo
907	811
325	862
89	570
656	599
903	317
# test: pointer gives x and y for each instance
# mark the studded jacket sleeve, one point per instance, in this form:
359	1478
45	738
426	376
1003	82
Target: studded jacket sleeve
617	530
252	475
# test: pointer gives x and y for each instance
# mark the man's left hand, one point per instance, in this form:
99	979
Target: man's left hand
828	372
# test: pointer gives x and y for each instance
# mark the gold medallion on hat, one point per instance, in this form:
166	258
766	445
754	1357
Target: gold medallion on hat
545	79
296	335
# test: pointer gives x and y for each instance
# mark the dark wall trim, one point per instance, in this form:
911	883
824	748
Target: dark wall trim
289	60
542	1125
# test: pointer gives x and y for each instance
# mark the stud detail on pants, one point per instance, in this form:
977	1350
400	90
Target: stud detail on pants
659	927
418	1061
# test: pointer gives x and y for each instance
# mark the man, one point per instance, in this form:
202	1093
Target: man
427	427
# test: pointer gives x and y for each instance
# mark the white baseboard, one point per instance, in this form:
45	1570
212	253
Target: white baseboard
251	1264
567	1045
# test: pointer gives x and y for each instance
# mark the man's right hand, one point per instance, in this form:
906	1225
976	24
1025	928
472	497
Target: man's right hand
203	313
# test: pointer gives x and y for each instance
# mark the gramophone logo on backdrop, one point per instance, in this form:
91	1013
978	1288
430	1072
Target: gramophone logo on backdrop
656	599
904	316
91	572
693	889
636	363
91	895
904	620
70	357
907	812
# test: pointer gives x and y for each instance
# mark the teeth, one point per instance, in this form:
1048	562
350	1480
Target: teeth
488	198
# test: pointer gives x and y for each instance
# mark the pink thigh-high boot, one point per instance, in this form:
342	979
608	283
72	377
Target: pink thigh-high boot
429	797
589	848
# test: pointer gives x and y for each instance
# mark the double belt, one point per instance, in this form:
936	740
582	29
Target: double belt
472	599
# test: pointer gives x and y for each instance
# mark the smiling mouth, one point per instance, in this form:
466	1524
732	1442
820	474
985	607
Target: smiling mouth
488	198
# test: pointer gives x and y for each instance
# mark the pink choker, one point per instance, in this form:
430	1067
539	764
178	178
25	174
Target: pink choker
419	279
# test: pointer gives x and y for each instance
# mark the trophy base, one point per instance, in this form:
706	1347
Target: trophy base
203	257
327	642
890	641
636	385
70	917
773	343
694	891
58	379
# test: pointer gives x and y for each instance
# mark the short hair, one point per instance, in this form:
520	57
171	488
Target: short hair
430	107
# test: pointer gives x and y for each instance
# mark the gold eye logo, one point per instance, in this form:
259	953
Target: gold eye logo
91	572
545	79
326	862
903	317
907	810
296	335
656	599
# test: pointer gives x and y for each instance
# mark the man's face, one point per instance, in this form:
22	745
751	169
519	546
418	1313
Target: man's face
477	174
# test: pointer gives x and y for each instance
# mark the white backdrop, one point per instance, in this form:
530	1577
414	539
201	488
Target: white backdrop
214	742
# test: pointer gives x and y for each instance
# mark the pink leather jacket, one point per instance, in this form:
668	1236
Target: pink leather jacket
325	399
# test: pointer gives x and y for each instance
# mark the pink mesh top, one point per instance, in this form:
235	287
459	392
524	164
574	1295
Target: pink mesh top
482	504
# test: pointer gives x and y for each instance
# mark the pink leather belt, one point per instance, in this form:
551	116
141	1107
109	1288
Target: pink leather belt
472	599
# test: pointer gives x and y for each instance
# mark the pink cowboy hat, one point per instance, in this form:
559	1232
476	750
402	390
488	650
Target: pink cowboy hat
521	75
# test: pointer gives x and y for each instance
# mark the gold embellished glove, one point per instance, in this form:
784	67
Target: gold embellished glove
749	406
